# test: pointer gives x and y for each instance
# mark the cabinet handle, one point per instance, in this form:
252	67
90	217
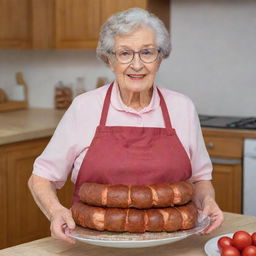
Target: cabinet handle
218	160
210	144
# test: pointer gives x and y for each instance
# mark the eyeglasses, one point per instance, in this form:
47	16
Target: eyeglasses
147	55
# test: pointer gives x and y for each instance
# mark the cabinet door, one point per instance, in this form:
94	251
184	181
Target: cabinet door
26	24
42	24
77	23
15	24
25	220
110	7
161	8
3	200
227	181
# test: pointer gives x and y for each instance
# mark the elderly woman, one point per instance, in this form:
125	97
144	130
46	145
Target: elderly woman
129	131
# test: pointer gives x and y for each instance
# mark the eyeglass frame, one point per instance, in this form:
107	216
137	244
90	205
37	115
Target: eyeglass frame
138	52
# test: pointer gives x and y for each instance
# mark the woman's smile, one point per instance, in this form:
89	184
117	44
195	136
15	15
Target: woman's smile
136	77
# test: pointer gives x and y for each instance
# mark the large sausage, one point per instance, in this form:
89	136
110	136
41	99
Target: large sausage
135	220
136	196
189	215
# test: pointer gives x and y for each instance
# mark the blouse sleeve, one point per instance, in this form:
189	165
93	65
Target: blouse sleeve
56	161
200	160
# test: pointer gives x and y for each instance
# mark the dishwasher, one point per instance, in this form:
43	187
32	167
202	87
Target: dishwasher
249	181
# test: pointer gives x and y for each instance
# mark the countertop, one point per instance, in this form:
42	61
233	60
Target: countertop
28	124
191	246
231	133
36	123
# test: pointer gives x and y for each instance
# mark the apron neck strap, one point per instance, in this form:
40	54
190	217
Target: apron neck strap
104	112
106	104
165	112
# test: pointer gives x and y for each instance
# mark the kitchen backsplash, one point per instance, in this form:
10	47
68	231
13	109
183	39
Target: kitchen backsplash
213	60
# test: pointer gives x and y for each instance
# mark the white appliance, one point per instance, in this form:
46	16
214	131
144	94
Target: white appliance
249	182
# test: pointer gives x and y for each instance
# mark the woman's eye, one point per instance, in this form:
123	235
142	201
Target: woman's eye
124	53
146	52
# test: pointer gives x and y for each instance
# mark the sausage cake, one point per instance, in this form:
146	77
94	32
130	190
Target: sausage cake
136	208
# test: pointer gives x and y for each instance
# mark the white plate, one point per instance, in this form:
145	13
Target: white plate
211	247
135	240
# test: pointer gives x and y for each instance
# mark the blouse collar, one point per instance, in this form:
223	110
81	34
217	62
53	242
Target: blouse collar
117	102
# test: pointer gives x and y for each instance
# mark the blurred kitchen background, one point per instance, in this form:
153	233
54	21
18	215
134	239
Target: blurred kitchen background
213	60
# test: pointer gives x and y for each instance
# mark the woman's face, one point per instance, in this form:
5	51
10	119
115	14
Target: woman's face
135	76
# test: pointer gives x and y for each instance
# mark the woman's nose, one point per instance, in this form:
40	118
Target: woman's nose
136	63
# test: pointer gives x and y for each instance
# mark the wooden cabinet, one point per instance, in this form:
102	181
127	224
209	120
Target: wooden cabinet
26	24
224	147
25	220
15	24
109	7
226	154
63	24
78	21
22	219
3	201
227	181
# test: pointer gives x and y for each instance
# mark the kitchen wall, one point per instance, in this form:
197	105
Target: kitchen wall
214	55
43	69
213	60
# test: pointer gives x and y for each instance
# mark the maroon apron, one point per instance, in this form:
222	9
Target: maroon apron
133	155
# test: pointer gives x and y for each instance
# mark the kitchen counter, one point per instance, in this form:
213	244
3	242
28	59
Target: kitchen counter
229	133
35	123
190	246
28	124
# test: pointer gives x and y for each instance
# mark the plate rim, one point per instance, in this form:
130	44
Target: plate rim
215	238
131	241
207	219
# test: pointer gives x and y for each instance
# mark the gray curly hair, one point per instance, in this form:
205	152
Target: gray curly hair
127	21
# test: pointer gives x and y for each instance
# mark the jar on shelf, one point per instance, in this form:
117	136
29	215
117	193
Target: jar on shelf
101	81
80	86
63	96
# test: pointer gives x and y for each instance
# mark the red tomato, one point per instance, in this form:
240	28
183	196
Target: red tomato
241	239
230	251
254	238
225	241
249	251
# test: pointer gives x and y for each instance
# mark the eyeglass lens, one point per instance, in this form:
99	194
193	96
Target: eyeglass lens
146	55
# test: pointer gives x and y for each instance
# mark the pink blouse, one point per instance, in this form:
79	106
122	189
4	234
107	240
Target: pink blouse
74	133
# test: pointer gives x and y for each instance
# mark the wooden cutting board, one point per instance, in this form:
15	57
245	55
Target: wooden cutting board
3	96
13	105
10	105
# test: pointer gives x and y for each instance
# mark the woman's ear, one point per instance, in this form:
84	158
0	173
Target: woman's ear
159	61
111	64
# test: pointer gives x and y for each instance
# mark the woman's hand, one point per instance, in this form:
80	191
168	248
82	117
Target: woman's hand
211	209
45	196
62	219
204	199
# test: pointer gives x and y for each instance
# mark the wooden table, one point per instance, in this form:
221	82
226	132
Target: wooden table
191	246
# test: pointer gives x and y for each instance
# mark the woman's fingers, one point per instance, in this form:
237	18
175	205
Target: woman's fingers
214	225
61	221
70	222
213	211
